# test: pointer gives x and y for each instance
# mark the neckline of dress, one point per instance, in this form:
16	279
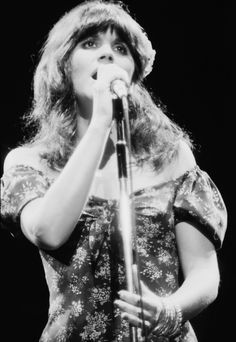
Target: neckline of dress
134	193
140	191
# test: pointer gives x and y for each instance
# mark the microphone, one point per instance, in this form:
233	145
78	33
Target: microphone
119	88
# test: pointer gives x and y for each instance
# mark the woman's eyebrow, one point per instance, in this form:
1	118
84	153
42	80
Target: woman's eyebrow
88	35
92	35
119	40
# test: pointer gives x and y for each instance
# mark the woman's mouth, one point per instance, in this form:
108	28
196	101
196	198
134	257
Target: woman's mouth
94	75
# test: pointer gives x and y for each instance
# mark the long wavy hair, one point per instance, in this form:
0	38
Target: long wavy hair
154	137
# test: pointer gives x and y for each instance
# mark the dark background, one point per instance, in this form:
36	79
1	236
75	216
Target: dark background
192	77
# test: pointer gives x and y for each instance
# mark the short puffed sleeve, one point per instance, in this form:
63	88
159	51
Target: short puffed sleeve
199	202
19	185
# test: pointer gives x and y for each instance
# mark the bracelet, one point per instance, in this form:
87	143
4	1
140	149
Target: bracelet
170	320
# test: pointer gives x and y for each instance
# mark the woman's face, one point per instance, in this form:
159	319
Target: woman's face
103	47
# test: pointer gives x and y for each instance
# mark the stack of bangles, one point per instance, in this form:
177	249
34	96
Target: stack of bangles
169	321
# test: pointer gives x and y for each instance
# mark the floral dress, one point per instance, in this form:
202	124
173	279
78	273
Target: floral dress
85	274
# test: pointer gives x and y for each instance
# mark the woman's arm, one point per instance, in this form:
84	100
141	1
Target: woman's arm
199	265
49	221
200	269
199	289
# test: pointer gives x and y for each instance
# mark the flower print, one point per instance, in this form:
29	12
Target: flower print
170	280
96	326
56	305
74	284
165	257
69	312
152	271
80	257
100	295
77	307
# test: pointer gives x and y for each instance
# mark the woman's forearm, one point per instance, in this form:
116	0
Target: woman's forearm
199	289
54	217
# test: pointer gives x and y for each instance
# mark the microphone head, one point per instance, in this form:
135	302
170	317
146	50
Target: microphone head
119	88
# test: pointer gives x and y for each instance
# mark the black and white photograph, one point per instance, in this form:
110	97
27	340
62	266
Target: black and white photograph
117	171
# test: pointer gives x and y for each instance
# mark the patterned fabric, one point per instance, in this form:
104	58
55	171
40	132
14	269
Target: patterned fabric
85	274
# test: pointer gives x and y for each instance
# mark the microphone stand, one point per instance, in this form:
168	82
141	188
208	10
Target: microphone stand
126	212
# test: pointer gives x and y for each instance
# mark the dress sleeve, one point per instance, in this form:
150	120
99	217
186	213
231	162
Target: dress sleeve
199	202
19	185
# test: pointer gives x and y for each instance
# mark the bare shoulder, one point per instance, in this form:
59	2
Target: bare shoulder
22	156
184	160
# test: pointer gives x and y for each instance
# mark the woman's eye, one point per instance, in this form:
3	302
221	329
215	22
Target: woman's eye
89	44
121	48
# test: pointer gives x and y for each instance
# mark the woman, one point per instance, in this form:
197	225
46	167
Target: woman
61	190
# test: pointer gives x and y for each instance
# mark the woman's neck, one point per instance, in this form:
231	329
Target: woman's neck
84	109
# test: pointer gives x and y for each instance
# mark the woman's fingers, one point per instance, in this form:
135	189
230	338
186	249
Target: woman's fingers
134	320
133	310
136	308
134	299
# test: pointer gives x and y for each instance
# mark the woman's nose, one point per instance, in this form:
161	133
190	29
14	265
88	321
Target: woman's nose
106	56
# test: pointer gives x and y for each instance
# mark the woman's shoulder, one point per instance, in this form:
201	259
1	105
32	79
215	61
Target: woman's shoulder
184	160
23	155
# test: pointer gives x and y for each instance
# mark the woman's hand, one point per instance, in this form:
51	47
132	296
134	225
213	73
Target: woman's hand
131	306
102	93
